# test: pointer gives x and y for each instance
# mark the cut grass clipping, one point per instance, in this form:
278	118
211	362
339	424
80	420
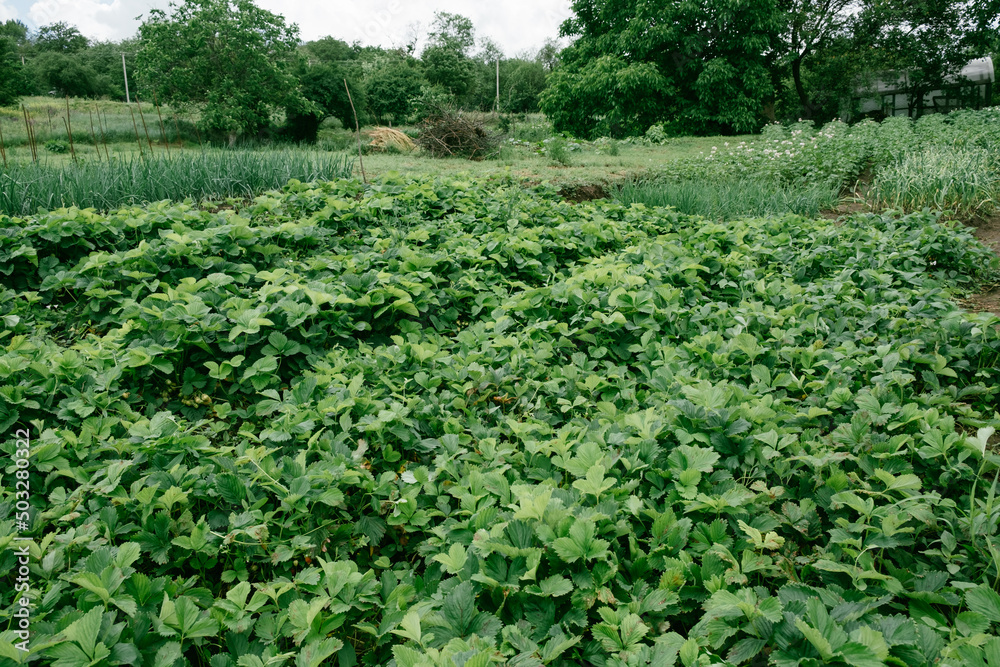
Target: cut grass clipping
443	422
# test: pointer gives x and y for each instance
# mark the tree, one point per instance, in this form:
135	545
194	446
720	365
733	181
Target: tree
65	74
548	55
929	39
323	86
450	69
105	59
229	56
453	31
489	51
329	50
702	67
608	97
521	82
392	85
814	31
15	31
60	38
10	73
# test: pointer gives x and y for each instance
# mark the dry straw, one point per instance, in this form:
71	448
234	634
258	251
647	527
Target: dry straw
387	139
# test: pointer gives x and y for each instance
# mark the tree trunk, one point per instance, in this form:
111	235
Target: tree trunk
801	89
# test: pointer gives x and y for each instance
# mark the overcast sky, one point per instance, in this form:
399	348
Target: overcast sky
517	25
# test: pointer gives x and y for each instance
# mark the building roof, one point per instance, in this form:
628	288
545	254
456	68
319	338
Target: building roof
979	70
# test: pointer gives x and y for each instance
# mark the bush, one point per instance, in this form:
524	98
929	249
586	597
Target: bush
56	146
656	134
606	146
447	133
557	150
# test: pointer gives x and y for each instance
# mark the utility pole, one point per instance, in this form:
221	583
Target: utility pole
128	100
498	85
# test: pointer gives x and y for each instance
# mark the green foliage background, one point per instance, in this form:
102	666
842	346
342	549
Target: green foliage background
233	59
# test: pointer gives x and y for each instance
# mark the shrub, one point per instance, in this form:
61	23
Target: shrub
606	146
557	150
56	146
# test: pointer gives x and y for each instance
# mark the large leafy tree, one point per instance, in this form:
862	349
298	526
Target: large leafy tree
330	51
930	39
813	37
10	73
521	81
230	57
392	84
323	86
60	37
13	40
700	66
65	74
447	60
606	96
325	65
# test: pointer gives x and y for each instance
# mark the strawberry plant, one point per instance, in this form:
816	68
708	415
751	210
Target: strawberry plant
436	422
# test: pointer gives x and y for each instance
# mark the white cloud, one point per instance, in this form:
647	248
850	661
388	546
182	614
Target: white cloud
517	25
95	19
7	12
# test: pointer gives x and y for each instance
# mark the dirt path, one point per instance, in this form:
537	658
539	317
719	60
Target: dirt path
988	233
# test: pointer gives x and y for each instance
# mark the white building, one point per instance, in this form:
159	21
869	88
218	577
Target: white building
890	94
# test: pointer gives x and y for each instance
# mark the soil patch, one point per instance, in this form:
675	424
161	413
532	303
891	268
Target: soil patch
988	232
845	208
987	301
579	193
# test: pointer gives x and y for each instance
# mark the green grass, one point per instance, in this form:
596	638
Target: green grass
94	122
965	181
587	166
730	199
212	174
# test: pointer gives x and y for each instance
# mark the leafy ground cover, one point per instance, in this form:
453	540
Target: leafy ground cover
436	422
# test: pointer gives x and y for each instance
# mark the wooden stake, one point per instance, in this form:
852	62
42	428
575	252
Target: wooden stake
71	151
358	128
163	132
177	128
3	151
93	135
136	128
69	130
34	139
31	135
144	128
104	139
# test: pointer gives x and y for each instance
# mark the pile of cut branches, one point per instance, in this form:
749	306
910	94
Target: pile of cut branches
448	133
